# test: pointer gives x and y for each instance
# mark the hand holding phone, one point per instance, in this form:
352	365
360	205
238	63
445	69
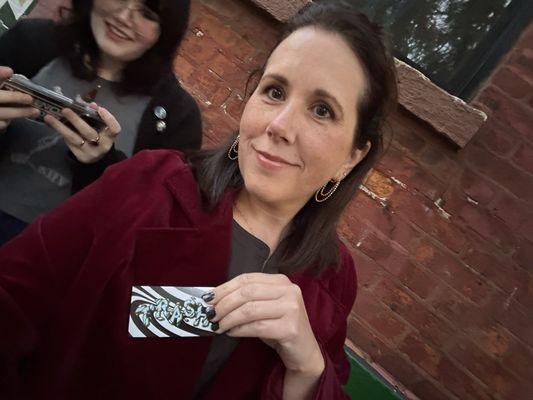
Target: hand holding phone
13	104
78	122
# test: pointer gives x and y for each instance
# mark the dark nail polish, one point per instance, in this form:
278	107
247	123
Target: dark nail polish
214	326
210	313
208	296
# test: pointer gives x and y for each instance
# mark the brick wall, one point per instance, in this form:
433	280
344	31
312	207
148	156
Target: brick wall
443	239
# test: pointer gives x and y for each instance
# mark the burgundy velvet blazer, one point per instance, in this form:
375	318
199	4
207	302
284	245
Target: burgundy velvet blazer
65	286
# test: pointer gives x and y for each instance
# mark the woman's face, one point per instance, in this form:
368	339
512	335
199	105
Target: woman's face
124	30
297	129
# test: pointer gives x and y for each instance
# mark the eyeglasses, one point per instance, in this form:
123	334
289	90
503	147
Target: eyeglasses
142	17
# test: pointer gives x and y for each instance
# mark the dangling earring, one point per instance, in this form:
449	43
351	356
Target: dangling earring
321	195
233	152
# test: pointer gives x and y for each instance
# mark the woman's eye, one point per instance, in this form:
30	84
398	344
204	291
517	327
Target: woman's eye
275	93
323	111
149	14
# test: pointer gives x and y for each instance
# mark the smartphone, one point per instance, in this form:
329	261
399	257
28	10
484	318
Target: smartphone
49	102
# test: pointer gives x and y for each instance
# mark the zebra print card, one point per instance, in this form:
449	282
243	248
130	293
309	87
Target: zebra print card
168	311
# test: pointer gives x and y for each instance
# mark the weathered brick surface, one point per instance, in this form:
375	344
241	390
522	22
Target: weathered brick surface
444	250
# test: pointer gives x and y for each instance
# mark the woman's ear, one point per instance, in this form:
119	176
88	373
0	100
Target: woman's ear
355	157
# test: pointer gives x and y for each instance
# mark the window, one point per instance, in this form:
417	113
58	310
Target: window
456	43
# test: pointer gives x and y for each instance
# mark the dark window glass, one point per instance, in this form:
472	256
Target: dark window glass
456	43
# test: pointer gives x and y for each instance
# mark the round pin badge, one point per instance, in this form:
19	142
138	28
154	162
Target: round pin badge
160	112
160	126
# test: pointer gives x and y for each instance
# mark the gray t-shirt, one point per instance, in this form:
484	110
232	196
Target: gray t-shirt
248	254
35	175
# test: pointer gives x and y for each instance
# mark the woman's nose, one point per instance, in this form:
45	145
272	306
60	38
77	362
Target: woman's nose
283	125
125	15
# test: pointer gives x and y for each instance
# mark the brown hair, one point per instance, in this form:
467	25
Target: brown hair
312	239
76	42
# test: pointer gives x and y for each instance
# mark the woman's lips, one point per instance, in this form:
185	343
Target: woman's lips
271	160
115	33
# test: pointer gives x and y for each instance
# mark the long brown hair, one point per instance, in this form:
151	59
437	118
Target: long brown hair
312	240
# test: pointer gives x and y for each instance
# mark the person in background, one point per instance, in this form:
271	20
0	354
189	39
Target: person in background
88	292
116	53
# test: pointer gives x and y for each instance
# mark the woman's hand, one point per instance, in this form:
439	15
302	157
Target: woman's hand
270	307
9	101
85	142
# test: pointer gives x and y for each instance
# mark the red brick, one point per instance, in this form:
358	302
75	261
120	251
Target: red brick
226	37
427	390
524	254
477	187
379	184
369	342
399	265
512	83
441	368
526	229
418	315
462	313
230	72
352	229
496	138
474	217
450	269
199	49
522	60
507	111
505	174
439	164
395	164
216	126
497	342
379	317
183	68
405	135
424	214
208	87
373	213
455	379
423	355
401	368
502	271
234	105
489	370
511	210
368	271
523	158
491	338
518	359
514	317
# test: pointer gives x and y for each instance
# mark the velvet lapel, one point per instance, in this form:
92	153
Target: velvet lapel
191	249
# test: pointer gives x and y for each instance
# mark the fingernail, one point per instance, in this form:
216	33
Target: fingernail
210	313
208	296
214	326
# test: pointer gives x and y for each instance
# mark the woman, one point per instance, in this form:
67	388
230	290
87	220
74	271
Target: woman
254	220
122	53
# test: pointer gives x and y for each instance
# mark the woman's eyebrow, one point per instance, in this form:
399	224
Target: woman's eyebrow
325	94
281	79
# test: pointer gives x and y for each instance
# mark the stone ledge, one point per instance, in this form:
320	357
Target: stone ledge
282	10
447	114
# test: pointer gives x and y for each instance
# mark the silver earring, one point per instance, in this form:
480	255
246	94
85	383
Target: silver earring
322	195
233	152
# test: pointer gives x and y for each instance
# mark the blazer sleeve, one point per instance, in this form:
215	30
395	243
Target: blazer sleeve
36	267
336	365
